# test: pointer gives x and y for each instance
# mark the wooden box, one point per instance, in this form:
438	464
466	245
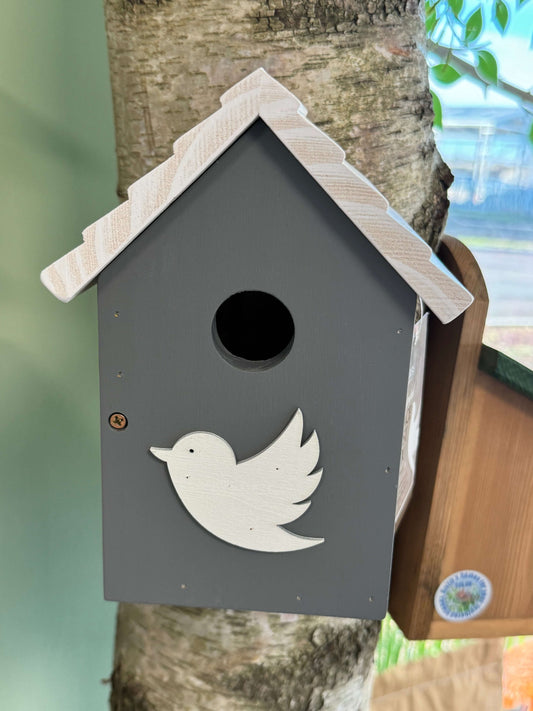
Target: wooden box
472	504
252	277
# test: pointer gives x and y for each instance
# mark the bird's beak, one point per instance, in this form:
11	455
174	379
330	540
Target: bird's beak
161	453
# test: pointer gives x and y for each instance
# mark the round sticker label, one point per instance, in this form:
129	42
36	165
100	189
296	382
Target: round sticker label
463	596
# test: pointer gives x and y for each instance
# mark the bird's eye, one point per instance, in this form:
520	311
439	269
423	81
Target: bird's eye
191	451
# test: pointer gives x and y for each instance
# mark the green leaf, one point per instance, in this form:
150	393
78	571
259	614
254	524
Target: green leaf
437	110
530	134
487	66
501	15
474	25
444	73
431	21
522	2
455	6
430	7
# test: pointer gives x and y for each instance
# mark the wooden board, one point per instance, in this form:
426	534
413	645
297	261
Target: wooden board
259	96
491	521
473	499
451	366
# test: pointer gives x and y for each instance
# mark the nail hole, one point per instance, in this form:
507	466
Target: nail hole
116	314
120	374
371	598
183	586
298	597
191	451
399	331
387	470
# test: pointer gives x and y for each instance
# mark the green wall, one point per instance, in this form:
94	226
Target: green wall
57	175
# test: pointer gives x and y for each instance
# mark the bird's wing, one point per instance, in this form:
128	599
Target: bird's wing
279	477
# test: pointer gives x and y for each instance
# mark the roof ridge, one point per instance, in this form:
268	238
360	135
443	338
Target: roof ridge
256	80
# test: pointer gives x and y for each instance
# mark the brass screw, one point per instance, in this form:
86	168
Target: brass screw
118	421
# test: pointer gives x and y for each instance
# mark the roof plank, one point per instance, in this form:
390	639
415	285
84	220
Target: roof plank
260	96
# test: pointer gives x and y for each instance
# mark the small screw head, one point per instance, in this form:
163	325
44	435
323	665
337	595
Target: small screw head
118	421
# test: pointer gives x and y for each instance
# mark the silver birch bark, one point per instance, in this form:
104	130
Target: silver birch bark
357	65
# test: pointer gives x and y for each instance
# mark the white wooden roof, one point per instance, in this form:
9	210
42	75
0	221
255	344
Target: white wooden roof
261	96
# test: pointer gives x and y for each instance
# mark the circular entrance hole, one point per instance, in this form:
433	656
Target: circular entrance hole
253	330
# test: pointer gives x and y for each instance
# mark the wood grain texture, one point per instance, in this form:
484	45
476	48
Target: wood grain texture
261	96
451	368
473	498
490	526
482	628
246	503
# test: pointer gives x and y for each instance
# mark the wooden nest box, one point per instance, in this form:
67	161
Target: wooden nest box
256	300
463	555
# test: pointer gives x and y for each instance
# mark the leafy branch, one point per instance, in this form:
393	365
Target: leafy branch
457	40
461	67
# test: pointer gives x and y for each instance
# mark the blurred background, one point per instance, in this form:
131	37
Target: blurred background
487	140
59	174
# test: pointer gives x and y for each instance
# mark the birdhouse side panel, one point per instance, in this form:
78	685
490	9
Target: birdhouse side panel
250	298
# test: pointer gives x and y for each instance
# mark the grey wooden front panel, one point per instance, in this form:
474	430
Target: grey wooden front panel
254	221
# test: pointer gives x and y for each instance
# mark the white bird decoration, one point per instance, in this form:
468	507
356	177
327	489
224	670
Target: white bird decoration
245	503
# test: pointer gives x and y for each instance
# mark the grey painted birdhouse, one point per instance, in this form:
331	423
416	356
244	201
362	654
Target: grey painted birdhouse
256	301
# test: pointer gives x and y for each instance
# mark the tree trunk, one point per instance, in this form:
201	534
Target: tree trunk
357	67
188	659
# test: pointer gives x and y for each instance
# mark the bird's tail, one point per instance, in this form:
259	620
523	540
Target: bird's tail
282	540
